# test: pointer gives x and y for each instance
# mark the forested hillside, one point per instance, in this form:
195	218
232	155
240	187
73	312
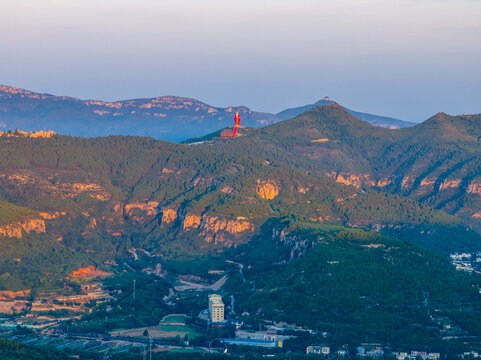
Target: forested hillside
353	283
90	200
436	162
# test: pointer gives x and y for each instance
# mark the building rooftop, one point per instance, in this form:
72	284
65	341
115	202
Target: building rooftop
216	299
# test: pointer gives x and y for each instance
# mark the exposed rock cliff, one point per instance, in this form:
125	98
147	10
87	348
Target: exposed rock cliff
217	229
15	229
32	134
52	215
191	221
150	207
267	189
168	215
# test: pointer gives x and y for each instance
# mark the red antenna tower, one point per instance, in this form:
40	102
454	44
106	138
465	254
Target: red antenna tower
232	133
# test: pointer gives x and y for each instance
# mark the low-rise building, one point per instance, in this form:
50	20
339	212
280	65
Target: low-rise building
469	355
370	351
252	342
414	355
269	335
342	352
318	349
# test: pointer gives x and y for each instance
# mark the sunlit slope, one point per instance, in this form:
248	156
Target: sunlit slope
99	197
437	162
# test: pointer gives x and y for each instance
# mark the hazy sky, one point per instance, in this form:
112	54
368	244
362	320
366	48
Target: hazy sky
407	58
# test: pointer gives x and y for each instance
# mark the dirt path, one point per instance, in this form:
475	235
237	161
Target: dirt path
186	285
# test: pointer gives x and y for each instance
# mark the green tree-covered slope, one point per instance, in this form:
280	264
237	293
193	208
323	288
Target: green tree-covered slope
100	197
436	162
358	285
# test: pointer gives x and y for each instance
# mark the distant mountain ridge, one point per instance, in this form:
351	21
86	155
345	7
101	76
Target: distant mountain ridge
170	118
381	121
160	117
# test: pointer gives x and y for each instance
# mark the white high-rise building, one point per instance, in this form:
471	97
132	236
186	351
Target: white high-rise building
216	308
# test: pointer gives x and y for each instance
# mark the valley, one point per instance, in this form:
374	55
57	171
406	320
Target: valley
248	180
307	224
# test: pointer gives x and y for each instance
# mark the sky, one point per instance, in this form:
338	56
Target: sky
403	58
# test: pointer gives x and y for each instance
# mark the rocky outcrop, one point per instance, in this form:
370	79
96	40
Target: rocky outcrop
92	224
73	190
227	189
302	189
267	189
214	224
407	182
295	243
448	184
33	134
352	180
168	215
474	187
224	231
150	207
217	229
356	180
428	181
34	225
52	215
191	221
20	177
104	196
15	229
57	189
383	182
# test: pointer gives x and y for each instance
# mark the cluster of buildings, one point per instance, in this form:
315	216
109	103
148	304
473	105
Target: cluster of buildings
266	339
466	261
414	355
318	349
376	351
470	355
325	350
274	338
373	352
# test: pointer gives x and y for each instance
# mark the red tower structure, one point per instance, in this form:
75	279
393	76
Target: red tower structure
232	133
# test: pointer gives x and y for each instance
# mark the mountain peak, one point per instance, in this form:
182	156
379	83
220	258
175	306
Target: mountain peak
445	127
381	121
324	101
333	105
440	115
334	109
330	123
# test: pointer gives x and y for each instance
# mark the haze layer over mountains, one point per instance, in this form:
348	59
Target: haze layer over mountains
170	118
